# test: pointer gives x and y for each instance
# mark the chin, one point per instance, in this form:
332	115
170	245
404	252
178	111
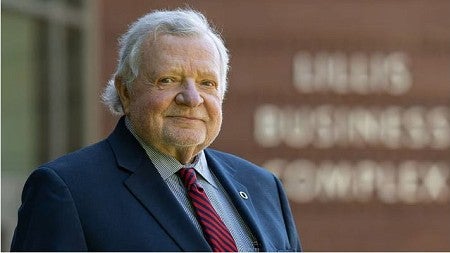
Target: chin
186	140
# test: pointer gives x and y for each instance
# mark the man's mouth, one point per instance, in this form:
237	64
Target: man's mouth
187	118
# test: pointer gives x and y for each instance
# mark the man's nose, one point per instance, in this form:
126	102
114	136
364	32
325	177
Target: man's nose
189	94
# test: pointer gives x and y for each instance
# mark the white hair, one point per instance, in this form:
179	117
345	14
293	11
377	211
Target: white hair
179	22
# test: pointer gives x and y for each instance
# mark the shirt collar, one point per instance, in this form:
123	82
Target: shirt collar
167	165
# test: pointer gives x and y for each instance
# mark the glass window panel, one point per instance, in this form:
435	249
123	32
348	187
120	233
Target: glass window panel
19	118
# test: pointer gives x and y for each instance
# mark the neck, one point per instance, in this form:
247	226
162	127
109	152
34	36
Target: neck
183	155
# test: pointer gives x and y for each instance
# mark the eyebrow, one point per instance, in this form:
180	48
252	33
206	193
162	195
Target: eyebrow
209	74
177	71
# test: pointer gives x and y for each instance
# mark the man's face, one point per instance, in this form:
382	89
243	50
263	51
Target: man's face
175	104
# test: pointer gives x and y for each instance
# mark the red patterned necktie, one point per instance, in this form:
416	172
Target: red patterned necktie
215	231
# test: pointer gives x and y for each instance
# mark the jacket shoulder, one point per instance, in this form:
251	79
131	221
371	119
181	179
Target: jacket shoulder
93	155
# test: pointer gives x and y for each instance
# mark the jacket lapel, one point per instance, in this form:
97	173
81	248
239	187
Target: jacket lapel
226	175
146	184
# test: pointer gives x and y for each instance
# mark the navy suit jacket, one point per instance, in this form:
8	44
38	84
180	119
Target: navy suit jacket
110	197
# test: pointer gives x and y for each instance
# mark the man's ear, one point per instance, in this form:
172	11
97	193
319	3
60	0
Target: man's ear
123	92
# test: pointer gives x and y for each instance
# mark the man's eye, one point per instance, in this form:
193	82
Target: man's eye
208	83
166	80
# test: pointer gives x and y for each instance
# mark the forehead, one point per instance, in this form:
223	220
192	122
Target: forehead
181	52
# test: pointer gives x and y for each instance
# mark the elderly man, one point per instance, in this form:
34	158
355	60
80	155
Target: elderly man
153	185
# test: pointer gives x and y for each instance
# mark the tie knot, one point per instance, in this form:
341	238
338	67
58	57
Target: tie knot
188	176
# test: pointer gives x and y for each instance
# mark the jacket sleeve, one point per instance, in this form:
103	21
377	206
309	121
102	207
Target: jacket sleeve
288	218
48	218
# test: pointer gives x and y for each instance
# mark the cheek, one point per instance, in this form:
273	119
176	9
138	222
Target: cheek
144	115
146	105
137	108
215	110
218	107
